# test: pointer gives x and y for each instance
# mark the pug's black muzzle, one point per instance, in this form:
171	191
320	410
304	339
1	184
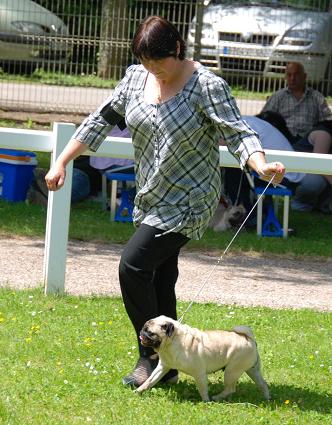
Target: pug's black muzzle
149	339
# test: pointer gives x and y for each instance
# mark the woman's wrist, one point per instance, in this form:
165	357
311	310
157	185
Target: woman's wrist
261	171
257	163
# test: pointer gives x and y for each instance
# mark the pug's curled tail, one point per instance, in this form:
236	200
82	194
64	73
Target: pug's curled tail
245	331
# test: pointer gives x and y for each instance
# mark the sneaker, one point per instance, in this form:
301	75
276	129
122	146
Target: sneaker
144	368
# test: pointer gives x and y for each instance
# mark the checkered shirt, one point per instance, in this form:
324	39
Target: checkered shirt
301	115
176	145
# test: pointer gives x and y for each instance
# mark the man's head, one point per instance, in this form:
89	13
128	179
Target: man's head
296	77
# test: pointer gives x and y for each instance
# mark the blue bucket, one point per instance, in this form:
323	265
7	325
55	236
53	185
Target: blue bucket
16	174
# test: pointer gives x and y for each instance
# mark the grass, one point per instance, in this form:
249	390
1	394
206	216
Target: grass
60	79
88	222
62	359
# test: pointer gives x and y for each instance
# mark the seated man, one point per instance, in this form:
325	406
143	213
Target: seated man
309	120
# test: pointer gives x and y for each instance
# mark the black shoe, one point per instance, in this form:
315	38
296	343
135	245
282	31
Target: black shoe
171	377
142	371
144	368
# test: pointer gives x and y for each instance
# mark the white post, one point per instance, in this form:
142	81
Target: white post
286	217
58	213
260	216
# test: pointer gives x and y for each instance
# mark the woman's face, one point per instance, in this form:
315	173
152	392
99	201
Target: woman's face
162	69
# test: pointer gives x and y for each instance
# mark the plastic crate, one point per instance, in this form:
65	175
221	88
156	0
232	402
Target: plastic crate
16	174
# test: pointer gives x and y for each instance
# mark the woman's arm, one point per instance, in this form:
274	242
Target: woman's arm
93	130
55	178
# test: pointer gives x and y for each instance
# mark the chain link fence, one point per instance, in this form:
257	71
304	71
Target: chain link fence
248	43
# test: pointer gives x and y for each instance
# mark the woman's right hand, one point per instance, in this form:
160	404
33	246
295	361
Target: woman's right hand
55	178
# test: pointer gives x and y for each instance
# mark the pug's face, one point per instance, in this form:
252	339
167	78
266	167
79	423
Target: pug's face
156	331
236	214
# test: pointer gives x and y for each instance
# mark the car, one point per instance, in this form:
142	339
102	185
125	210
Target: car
260	37
30	33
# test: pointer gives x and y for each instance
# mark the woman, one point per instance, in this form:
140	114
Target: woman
176	111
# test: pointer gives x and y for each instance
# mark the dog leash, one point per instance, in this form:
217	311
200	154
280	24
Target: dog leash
224	253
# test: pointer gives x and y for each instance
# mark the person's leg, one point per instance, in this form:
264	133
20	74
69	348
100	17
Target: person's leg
322	142
325	200
80	185
142	261
164	280
307	193
148	272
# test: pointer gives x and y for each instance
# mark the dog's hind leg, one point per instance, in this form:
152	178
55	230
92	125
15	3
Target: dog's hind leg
255	374
231	377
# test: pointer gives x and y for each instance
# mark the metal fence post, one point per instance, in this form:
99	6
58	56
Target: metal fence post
198	29
58	213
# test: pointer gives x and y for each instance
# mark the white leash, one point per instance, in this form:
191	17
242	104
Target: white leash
225	251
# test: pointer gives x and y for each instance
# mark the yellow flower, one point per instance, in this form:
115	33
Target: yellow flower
286	401
88	341
28	340
110	322
34	329
311	357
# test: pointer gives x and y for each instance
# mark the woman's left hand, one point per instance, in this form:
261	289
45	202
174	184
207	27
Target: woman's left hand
276	169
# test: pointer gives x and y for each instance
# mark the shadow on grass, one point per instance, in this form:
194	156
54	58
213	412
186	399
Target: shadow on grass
281	395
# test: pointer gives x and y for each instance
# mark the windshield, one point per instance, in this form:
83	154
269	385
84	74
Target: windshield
318	5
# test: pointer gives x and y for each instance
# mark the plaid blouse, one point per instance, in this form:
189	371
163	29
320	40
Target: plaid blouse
176	147
301	115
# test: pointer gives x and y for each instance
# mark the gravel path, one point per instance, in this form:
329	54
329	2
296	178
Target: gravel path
247	279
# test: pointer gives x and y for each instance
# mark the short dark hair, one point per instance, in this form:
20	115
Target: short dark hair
157	38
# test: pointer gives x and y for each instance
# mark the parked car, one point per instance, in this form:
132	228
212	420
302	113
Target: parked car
260	37
30	33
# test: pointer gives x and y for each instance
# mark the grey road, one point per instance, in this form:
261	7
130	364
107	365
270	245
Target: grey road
80	100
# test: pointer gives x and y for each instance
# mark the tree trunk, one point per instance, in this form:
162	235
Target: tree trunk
114	39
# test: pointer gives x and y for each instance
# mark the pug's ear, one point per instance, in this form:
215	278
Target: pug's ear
168	328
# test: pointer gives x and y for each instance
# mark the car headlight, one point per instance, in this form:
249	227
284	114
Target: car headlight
297	37
32	28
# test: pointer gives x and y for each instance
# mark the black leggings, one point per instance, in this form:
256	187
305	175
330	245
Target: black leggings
148	273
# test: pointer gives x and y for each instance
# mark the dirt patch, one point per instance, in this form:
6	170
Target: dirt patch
239	279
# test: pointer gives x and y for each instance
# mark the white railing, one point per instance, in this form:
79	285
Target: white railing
58	210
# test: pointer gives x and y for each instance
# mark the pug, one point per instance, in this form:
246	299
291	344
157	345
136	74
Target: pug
198	353
227	217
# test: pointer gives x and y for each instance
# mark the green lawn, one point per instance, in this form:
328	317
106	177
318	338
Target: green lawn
62	360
